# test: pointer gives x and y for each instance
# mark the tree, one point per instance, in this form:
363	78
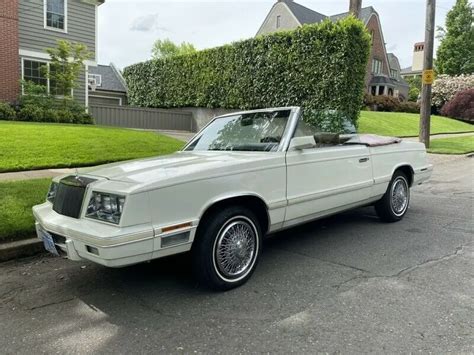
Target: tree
455	54
166	49
415	88
67	61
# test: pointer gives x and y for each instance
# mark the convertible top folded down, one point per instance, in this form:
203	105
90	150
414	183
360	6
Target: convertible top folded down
373	140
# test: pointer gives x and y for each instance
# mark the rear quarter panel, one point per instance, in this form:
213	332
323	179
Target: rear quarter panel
386	159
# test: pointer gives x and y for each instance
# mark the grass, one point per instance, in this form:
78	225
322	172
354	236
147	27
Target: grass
458	145
407	124
31	146
16	200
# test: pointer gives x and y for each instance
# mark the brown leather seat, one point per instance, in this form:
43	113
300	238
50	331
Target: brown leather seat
326	139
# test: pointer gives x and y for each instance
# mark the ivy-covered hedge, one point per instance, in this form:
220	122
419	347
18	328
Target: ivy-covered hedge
319	67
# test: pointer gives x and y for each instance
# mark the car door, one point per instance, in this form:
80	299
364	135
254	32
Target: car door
326	179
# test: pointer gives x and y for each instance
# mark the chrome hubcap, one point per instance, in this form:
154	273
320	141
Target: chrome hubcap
235	248
399	196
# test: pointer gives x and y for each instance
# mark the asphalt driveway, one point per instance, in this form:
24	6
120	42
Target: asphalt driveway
346	284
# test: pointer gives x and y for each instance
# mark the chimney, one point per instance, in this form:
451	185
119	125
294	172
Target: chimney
418	56
354	7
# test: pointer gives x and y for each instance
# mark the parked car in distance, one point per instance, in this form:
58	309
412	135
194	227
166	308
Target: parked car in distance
241	177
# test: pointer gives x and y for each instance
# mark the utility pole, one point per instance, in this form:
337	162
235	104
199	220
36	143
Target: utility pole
428	76
354	7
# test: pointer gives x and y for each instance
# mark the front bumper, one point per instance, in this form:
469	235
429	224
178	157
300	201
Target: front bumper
104	244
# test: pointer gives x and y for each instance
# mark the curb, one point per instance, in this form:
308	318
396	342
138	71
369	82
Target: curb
21	248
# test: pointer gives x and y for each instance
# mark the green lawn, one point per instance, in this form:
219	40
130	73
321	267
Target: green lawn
458	145
16	200
407	124
29	146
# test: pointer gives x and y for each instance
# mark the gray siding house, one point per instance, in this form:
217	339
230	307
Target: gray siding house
107	86
42	22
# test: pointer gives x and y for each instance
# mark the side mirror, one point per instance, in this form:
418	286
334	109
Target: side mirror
300	143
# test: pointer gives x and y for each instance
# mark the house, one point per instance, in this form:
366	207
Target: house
416	68
107	86
383	75
28	27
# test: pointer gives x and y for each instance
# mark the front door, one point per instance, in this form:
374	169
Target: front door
326	179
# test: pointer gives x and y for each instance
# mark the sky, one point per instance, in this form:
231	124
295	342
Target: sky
127	29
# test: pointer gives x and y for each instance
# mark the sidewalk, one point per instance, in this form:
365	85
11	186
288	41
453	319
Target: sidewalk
34	174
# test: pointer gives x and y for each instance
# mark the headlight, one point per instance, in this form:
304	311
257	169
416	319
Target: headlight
53	189
105	207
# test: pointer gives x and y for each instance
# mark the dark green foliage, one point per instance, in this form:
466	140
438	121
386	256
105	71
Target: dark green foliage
381	103
7	112
319	67
461	106
37	106
455	53
415	88
408	106
389	104
31	113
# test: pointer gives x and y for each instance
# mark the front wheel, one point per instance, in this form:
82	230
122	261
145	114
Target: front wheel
227	247
394	204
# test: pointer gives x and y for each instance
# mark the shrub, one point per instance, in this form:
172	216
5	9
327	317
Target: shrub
50	115
381	103
36	105
408	106
86	118
31	113
445	87
461	106
65	116
317	67
7	112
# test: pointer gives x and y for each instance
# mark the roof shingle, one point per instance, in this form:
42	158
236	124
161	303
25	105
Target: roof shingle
111	78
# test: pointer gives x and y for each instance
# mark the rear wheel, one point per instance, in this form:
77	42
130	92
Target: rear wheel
227	247
394	203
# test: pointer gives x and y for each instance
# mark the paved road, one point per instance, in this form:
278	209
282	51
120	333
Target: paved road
345	284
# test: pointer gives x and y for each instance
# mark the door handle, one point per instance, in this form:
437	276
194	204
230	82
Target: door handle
363	160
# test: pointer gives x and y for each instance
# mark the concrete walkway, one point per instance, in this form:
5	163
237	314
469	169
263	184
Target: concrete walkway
186	136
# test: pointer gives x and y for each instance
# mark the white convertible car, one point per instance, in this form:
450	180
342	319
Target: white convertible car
243	176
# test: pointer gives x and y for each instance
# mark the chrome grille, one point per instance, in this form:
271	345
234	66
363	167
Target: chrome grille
70	195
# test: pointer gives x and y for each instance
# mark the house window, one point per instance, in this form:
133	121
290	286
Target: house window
278	21
55	14
35	71
95	79
394	73
376	66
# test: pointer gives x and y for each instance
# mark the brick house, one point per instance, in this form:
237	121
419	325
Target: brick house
383	69
28	27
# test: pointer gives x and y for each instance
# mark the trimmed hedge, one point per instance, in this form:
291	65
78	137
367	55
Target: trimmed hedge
318	67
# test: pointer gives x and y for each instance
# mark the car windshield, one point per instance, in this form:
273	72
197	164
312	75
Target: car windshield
260	131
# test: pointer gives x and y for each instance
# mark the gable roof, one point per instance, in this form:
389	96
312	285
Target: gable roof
393	61
112	80
364	15
303	14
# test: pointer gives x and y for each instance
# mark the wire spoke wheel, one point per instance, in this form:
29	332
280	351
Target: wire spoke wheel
399	196
235	248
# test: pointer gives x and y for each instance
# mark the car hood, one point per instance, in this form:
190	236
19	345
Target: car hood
180	167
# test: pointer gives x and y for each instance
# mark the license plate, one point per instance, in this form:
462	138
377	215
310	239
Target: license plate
47	240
